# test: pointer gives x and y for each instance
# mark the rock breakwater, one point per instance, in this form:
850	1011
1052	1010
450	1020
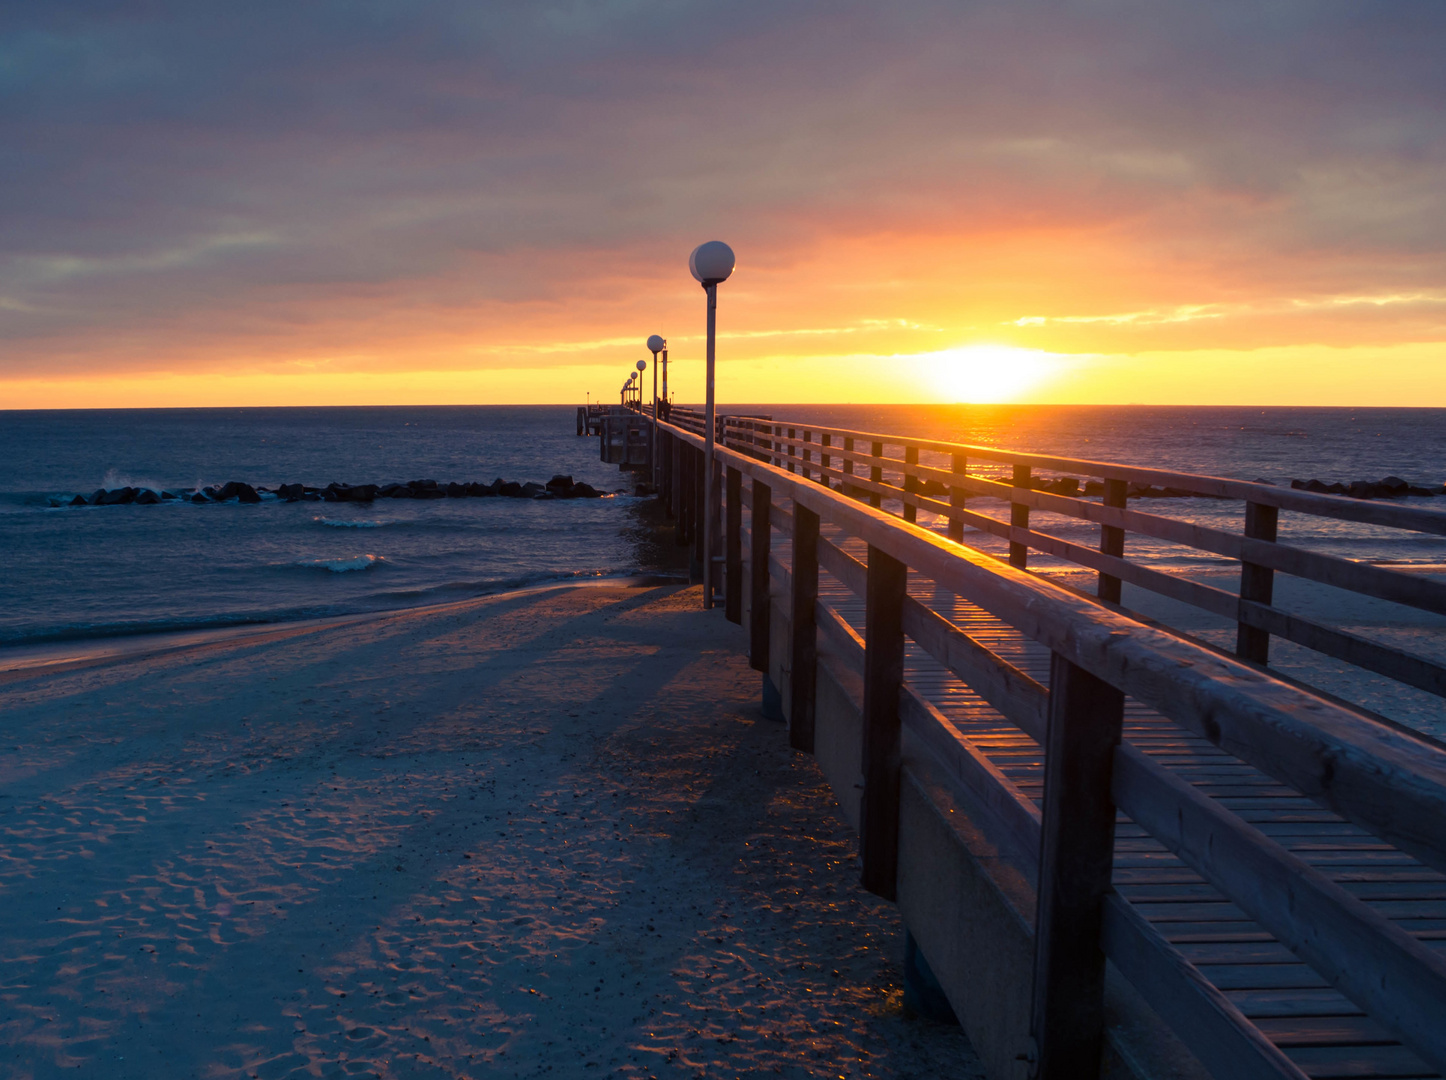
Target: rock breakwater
559	487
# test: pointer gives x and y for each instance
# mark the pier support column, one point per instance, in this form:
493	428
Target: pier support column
883	679
760	545
697	513
805	630
1077	846
733	545
676	484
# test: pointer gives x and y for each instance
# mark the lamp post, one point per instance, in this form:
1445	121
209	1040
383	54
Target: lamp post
655	345
711	264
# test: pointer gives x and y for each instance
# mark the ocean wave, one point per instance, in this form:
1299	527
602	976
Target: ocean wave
344	563
342	523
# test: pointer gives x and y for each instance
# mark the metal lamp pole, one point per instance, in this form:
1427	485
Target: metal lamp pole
711	264
655	344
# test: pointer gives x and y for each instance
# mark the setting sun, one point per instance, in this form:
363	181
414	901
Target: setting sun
986	374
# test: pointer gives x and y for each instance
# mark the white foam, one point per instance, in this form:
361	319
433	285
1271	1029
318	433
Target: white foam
342	564
339	523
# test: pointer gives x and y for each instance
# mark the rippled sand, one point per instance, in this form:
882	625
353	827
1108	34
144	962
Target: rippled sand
543	833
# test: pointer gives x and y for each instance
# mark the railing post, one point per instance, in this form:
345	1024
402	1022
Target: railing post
876	474
1077	843
807	452
1256	583
825	460
733	548
792	434
1112	540
848	468
956	499
1019	517
883	678
760	547
805	629
911	483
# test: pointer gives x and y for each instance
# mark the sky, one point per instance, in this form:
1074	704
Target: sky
212	203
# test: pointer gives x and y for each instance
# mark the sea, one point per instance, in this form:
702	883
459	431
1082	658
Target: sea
84	573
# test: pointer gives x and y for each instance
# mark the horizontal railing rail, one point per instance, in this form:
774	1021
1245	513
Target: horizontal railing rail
833	456
1381	778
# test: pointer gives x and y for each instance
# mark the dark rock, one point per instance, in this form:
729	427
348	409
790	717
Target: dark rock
96	497
934	489
199	497
79	500
168	495
147	497
1394	485
247	494
1315	486
581	490
479	490
1094	487
559	483
422	485
531	490
118	497
1184	493
543	495
429	493
290	492
395	491
511	490
456	491
1363	489
1419	491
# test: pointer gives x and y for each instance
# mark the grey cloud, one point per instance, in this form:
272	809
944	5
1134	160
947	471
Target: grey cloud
160	159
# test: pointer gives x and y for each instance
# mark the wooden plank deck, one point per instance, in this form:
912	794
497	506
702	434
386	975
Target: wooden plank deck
1322	1031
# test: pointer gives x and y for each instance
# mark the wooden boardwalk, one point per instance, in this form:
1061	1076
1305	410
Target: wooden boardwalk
1263	863
1317	1027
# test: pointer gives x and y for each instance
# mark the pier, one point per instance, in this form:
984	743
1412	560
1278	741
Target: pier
1118	847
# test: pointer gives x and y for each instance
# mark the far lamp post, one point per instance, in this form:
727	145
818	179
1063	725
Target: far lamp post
656	344
711	264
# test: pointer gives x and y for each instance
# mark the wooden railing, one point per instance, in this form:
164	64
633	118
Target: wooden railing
869	466
1370	773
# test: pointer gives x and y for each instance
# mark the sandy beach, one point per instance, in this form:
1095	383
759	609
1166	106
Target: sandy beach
538	833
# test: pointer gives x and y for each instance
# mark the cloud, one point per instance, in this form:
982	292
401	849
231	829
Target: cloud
279	179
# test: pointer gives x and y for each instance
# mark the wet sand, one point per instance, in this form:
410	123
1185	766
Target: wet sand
540	833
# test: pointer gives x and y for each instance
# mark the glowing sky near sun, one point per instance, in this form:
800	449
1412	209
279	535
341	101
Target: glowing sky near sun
418	202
